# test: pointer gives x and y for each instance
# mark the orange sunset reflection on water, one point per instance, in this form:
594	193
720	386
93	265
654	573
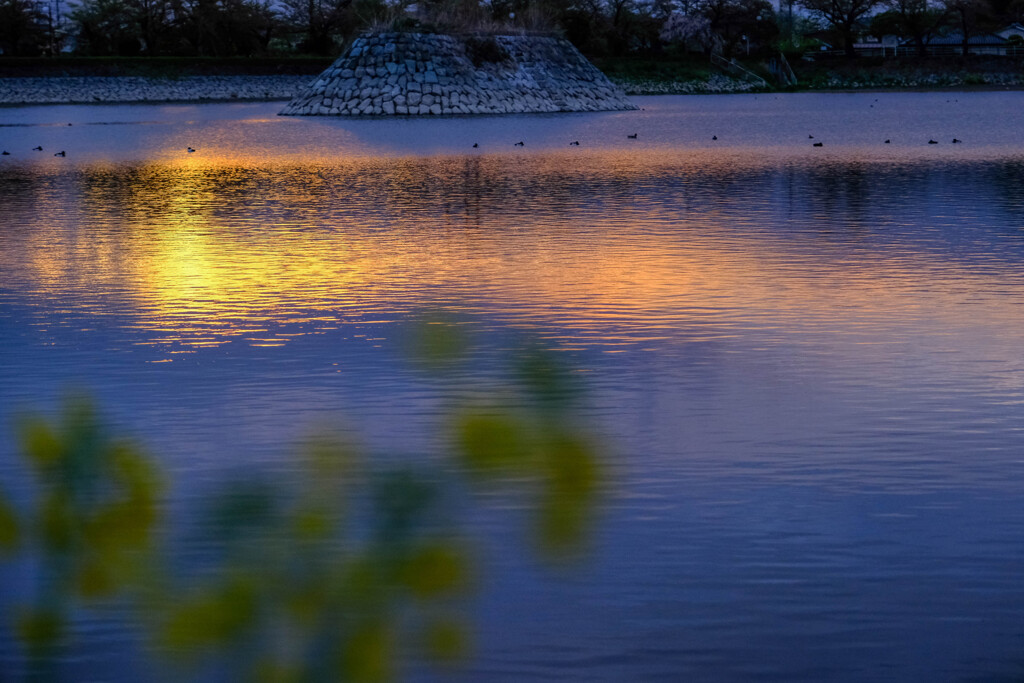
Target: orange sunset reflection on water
611	248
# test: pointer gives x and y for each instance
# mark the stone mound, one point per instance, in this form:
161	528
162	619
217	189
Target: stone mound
425	73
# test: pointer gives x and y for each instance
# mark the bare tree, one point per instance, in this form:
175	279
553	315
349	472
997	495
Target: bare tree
721	25
691	28
106	27
967	14
843	15
318	20
917	19
154	19
22	27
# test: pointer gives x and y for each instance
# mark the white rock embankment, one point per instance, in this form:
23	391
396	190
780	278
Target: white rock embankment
714	84
94	89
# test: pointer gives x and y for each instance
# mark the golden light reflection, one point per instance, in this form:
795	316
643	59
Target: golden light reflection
613	248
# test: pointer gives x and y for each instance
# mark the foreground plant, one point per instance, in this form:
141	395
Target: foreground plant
345	571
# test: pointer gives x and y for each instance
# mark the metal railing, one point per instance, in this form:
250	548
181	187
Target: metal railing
781	69
731	65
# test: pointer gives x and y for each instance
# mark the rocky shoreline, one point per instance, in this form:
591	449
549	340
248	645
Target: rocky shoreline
128	89
124	89
716	84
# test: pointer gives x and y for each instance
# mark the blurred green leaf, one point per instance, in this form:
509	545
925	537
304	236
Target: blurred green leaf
446	641
337	566
330	463
94	580
573	467
369	654
561	524
10	534
213	617
494	444
275	672
569	500
39	629
57	521
40	444
437	569
137	474
312	523
436	339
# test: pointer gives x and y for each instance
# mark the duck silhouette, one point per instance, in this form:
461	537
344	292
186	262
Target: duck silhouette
60	154
810	137
887	142
632	137
520	144
714	137
190	150
574	143
5	153
475	145
38	149
819	144
933	142
955	141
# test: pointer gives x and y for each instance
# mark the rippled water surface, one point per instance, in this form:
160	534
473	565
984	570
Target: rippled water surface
806	362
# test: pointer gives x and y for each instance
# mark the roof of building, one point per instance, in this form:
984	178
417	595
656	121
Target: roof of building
957	38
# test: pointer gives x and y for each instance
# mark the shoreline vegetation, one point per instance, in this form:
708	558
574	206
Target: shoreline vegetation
80	80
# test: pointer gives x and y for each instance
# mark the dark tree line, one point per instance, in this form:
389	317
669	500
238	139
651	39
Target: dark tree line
600	28
915	20
253	27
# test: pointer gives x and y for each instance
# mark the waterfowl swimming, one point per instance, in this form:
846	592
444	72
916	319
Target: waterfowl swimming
810	137
632	137
38	149
60	154
955	141
475	145
714	137
819	144
519	144
933	142
190	150
5	153
574	143
887	142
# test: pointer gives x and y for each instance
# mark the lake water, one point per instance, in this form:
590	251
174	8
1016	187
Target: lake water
806	364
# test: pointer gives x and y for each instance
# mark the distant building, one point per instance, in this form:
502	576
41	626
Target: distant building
1013	33
952	44
870	46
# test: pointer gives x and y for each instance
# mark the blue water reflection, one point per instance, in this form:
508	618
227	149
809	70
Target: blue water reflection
806	360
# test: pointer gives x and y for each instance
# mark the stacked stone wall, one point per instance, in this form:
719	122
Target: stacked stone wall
417	74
